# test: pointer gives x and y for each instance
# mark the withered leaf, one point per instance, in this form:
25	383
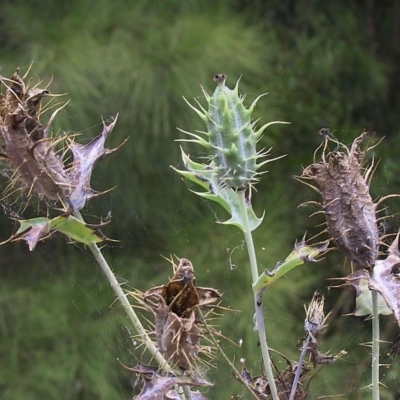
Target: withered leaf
85	158
157	386
260	387
195	395
386	278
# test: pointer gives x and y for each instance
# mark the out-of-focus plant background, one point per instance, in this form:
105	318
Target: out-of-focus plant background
324	64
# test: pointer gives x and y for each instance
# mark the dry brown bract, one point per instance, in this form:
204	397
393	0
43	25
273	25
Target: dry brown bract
25	143
176	309
158	386
30	151
349	210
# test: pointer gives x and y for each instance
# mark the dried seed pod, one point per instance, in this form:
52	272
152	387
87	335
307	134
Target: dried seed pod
176	309
31	154
349	210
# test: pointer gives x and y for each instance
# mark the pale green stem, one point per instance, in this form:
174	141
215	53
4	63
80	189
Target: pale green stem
130	312
375	346
260	324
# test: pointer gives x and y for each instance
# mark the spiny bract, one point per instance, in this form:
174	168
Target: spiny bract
230	138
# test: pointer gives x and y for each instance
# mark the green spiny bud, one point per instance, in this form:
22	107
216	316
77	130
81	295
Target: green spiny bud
230	138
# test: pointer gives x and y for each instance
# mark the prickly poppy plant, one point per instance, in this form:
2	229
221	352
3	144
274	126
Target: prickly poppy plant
181	310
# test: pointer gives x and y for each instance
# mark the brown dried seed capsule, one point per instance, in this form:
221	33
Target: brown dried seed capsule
31	155
349	210
176	309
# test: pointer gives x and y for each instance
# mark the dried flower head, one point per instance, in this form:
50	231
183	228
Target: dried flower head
315	316
30	151
348	207
178	320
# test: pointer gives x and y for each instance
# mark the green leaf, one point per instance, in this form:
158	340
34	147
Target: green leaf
37	229
206	177
360	281
300	255
76	230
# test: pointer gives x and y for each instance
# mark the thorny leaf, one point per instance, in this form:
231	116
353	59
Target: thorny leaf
385	278
36	229
301	254
176	308
360	281
157	386
347	204
206	177
85	158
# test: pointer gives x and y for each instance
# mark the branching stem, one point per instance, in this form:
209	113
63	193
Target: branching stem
130	312
260	323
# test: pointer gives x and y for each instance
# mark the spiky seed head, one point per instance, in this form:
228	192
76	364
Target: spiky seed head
349	210
315	316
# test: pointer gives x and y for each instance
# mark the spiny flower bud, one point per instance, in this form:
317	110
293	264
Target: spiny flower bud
230	138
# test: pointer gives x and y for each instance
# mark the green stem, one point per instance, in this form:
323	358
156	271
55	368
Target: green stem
130	312
375	346
260	324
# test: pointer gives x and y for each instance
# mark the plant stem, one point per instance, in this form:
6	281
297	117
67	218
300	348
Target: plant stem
299	367
101	261
260	324
375	345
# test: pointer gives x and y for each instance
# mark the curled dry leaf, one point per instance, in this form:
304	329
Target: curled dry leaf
157	386
260	386
85	158
176	309
349	210
385	279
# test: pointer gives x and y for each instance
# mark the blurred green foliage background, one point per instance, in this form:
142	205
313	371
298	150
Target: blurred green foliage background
324	64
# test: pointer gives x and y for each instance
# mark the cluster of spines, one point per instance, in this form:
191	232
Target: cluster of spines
230	138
